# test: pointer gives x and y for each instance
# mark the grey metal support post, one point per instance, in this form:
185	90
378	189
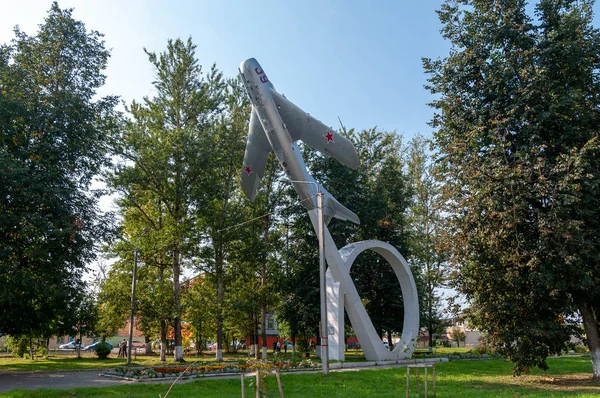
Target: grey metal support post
322	270
132	309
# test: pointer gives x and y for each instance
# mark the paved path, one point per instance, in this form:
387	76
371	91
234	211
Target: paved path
58	380
73	379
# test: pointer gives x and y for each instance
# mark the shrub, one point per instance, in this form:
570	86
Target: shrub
482	349
18	345
303	345
442	343
102	350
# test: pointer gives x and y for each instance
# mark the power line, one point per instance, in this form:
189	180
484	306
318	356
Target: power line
258	218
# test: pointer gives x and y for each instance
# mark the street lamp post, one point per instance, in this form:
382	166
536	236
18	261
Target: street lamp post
132	309
322	270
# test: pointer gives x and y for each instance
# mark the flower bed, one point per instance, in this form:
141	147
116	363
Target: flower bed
197	370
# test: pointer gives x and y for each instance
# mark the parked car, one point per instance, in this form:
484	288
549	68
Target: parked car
386	344
137	344
353	345
212	347
92	347
70	345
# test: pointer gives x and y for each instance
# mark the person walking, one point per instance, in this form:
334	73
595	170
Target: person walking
120	355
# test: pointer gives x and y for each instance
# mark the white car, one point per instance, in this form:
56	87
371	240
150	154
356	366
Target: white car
70	345
386	344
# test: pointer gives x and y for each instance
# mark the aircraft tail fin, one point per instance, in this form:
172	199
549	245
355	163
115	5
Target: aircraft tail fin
333	208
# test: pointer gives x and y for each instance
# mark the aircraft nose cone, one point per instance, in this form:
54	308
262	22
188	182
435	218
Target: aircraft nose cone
249	65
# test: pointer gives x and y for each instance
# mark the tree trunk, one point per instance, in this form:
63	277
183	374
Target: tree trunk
78	348
590	323
430	337
178	351
220	297
263	315
255	338
389	339
163	340
148	345
30	346
263	276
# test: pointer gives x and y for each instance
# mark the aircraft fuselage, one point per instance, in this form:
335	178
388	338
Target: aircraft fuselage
259	89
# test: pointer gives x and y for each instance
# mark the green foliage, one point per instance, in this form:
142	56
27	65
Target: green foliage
517	130
18	345
302	345
165	156
425	220
379	193
102	350
52	145
457	335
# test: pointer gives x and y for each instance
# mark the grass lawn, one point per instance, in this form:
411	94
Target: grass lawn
68	360
568	376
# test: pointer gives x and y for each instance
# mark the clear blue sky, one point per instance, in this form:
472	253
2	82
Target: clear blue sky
357	60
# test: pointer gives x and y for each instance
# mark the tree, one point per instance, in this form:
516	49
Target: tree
384	195
517	121
222	206
457	335
167	154
379	193
425	219
52	144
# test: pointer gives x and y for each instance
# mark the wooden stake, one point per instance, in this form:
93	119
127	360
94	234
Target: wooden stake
434	380
279	383
407	381
257	384
243	392
418	384
426	394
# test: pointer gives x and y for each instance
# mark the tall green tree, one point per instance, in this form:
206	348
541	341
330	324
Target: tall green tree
517	121
52	143
425	220
166	151
221	205
379	193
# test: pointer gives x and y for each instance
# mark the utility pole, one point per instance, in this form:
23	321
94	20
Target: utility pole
132	309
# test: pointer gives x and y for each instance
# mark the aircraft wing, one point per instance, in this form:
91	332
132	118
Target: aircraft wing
255	157
303	126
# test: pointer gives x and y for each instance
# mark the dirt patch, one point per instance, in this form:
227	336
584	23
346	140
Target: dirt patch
577	382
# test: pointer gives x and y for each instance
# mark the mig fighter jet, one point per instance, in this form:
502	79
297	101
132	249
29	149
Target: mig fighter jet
275	125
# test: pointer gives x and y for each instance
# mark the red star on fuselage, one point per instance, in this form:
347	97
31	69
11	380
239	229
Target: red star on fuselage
329	137
248	170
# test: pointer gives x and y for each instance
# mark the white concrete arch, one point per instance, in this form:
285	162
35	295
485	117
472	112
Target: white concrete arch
349	299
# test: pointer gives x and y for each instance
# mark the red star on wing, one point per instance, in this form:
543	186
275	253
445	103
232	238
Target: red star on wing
329	137
248	169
